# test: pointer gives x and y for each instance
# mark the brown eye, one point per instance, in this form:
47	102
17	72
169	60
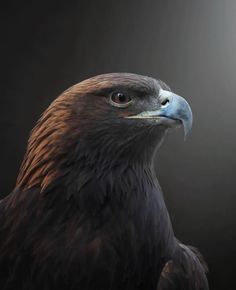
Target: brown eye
120	100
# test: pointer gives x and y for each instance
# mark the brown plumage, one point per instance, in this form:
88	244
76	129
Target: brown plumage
87	211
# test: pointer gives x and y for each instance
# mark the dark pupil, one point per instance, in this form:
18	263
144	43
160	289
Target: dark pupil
121	98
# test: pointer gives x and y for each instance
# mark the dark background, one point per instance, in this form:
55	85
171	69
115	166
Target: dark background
191	45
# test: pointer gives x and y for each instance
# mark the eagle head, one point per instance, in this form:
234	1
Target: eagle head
105	120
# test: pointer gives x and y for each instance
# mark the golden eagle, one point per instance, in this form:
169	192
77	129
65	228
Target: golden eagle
87	211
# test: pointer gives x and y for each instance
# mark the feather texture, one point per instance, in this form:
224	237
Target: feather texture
87	211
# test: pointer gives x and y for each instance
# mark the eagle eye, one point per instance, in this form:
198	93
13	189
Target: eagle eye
119	99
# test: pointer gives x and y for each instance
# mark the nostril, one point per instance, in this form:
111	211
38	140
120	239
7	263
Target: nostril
164	102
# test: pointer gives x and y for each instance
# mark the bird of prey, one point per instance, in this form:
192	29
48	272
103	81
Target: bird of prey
87	211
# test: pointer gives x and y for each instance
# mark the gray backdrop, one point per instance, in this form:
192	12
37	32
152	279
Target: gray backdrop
191	45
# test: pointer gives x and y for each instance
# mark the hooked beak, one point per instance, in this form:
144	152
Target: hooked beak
173	110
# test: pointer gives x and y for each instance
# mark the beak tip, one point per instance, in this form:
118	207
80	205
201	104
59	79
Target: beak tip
187	124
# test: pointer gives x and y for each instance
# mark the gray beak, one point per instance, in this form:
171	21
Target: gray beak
173	109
